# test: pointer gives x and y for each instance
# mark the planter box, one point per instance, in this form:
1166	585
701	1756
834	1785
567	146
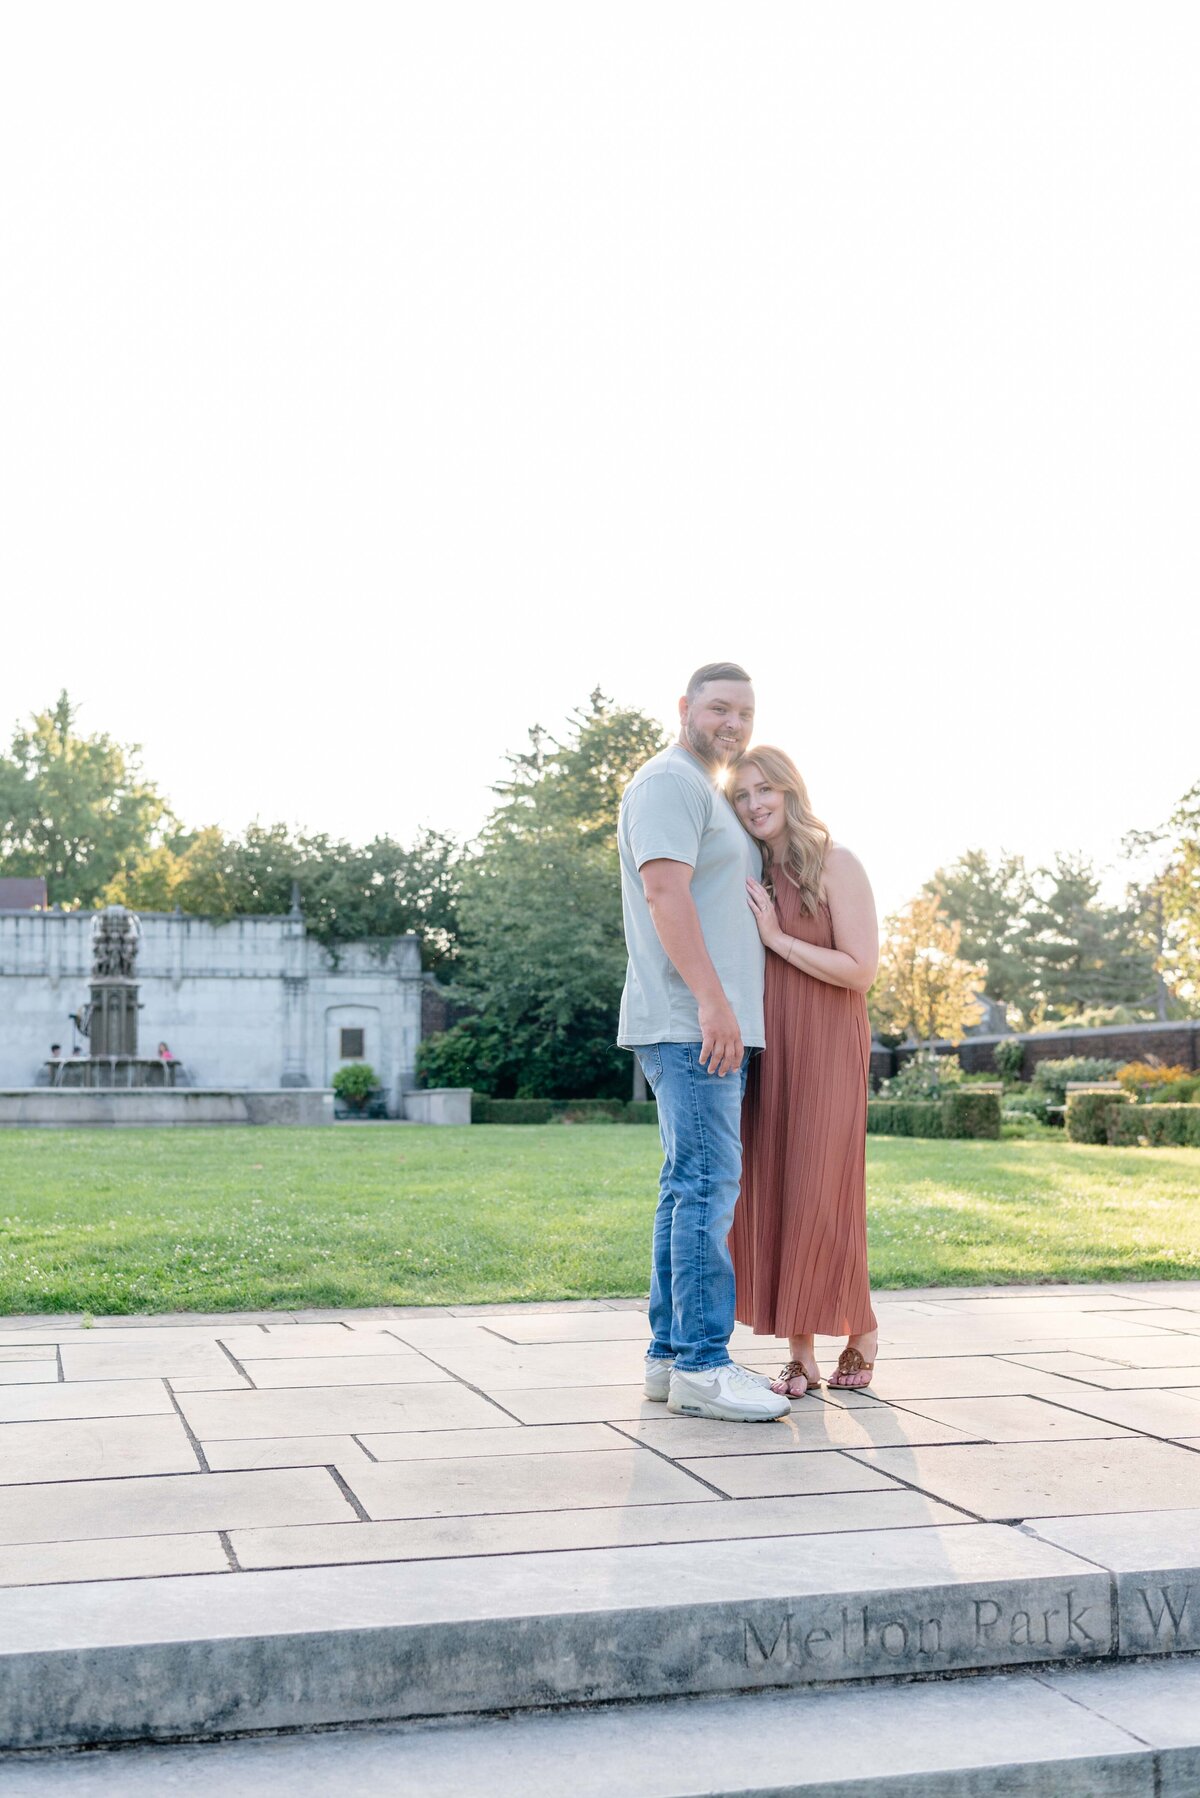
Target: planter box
439	1105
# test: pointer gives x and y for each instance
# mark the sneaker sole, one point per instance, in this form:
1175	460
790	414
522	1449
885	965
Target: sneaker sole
723	1415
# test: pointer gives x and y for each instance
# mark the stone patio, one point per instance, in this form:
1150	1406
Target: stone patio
212	1525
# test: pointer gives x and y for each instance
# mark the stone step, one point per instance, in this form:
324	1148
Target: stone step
1108	1731
215	1653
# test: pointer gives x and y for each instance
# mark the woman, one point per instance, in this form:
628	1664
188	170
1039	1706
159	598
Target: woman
799	1238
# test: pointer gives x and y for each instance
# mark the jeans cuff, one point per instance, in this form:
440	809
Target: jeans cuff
702	1366
655	1353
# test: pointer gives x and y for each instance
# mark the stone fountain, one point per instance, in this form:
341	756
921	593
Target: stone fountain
110	1019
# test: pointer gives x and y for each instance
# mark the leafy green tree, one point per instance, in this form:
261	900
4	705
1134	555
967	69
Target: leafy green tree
1083	953
990	902
349	893
541	947
74	808
577	783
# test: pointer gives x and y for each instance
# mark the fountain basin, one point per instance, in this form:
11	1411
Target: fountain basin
78	1107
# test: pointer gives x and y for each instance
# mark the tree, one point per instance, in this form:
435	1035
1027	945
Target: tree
990	902
349	893
924	988
76	809
1181	901
1166	904
541	947
577	784
1083	953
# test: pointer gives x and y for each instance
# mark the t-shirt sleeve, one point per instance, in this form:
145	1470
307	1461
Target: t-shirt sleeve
664	819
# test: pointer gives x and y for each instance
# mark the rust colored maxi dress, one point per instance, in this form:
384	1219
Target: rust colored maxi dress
799	1237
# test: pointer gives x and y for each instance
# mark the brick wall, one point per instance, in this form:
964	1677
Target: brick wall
1172	1044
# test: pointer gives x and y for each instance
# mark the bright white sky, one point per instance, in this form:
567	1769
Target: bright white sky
377	379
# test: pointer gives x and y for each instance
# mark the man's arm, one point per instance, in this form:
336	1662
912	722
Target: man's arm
668	889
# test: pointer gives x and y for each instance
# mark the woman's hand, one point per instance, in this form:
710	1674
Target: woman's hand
765	915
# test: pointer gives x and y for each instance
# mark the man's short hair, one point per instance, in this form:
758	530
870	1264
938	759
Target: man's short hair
714	671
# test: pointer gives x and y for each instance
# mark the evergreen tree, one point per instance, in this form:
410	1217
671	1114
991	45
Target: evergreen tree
990	902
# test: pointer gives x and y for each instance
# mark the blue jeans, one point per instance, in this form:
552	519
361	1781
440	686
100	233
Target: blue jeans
691	1281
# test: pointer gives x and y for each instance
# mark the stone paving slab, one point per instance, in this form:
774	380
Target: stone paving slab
22	1373
1037	1479
771	1476
344	1370
1083	1734
158	1505
306	1410
155	1358
491	1484
41	1403
112	1558
533	1532
810	1427
1035	1419
91	1448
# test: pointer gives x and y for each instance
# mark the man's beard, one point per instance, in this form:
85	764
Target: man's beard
707	748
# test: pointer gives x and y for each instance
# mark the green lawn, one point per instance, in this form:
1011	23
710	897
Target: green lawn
360	1215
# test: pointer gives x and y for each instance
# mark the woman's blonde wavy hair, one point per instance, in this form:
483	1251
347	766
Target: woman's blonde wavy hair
807	842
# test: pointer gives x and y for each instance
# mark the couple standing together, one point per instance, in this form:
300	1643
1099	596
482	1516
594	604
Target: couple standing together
752	941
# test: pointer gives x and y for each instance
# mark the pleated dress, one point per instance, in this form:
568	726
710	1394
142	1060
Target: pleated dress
799	1237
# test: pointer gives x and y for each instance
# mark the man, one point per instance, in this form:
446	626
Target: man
691	1009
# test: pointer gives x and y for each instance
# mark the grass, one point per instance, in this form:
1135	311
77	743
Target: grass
212	1220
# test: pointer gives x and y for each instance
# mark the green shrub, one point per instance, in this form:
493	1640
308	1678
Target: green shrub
967	1113
1051	1077
641	1111
1176	1126
355	1083
1185	1091
509	1111
904	1117
1087	1115
1009	1057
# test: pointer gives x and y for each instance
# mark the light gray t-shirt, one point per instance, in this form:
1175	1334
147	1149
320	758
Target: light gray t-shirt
672	812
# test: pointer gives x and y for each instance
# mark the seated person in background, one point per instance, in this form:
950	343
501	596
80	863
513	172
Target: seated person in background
164	1053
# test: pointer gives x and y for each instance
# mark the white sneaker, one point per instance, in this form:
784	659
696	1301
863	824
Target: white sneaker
728	1392
658	1377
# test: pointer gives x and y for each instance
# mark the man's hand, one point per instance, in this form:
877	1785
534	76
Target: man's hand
721	1047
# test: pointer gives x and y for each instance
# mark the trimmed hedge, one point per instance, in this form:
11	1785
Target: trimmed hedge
560	1111
905	1117
588	1111
970	1113
1161	1126
510	1111
1087	1115
960	1113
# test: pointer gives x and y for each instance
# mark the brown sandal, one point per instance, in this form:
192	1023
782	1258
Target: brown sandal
784	1378
851	1361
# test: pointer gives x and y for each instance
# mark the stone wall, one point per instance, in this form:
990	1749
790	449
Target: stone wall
1172	1044
251	1003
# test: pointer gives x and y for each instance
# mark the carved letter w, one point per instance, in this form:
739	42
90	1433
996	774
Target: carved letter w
1166	1608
